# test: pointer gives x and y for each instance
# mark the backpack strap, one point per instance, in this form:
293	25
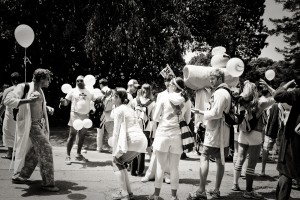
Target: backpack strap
26	89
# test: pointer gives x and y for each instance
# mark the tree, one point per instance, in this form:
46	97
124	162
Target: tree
135	38
236	25
290	28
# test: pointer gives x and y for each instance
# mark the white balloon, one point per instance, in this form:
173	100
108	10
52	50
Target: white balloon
97	93
89	80
78	124
219	61
66	88
218	50
24	35
87	123
270	74
110	141
235	67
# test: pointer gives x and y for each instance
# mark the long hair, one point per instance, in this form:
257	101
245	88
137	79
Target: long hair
146	91
180	87
122	94
250	96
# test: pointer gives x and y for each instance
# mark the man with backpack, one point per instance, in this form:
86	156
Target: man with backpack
216	139
32	145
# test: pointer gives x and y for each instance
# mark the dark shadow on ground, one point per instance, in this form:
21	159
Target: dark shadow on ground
190	181
93	164
143	197
265	178
66	187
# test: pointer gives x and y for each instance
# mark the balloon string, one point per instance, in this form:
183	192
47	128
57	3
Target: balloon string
25	64
26	59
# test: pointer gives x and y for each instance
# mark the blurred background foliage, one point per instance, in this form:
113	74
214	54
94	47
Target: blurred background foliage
123	39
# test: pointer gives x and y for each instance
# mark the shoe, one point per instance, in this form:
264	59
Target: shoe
215	194
236	187
6	157
252	195
197	195
50	188
20	180
81	158
174	198
145	179
68	160
167	180
130	195
153	197
119	196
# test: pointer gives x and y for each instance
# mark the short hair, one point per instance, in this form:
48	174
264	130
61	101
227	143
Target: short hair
15	78
40	74
218	73
168	78
103	81
80	76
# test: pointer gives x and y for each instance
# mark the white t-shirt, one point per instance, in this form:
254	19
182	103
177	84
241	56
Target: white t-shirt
81	100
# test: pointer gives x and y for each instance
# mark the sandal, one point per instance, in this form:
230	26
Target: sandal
20	180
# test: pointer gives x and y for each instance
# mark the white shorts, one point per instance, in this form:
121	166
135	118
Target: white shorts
168	144
251	138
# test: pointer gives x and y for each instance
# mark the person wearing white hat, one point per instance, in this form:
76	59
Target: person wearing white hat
132	88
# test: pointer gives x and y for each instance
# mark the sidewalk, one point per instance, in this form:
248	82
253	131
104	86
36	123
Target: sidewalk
95	180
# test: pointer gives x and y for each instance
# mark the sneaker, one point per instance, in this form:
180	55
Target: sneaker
197	195
146	179
68	160
50	188
153	197
252	195
119	195
81	158
236	187
167	180
215	194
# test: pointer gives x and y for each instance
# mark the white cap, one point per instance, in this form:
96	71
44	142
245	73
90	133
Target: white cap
133	82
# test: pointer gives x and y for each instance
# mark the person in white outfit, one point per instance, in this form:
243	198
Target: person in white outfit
150	173
9	123
135	139
167	141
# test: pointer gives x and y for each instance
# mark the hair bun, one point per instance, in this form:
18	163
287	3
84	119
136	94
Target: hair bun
126	101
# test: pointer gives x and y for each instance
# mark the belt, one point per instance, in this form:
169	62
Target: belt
42	120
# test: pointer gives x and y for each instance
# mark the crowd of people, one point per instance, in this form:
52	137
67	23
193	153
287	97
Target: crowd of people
137	122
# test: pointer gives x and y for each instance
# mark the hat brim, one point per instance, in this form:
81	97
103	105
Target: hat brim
136	85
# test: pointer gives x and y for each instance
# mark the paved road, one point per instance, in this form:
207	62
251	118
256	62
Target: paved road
95	180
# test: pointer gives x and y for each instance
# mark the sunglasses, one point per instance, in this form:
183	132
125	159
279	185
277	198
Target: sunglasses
79	80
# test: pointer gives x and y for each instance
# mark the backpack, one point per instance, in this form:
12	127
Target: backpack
16	110
233	117
142	112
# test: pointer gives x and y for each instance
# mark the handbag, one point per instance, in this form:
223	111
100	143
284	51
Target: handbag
187	137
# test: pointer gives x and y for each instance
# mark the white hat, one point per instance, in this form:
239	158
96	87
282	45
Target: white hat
133	82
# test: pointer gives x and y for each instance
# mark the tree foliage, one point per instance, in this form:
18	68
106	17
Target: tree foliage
236	25
290	28
123	39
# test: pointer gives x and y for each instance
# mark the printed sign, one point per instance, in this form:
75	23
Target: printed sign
167	71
